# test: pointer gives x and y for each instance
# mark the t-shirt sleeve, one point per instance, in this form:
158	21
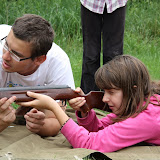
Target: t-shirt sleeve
59	68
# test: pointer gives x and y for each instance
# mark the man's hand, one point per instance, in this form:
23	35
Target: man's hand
7	112
34	120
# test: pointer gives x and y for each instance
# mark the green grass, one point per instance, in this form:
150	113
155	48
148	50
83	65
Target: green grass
142	34
14	105
142	29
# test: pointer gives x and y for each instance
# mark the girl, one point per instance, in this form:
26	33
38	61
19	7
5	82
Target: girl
130	96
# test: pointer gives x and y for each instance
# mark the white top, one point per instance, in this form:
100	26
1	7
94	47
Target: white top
55	70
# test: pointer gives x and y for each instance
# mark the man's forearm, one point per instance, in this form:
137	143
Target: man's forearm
50	128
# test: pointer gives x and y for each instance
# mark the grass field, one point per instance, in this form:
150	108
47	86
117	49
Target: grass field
142	29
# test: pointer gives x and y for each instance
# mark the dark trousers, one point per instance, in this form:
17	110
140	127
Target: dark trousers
110	28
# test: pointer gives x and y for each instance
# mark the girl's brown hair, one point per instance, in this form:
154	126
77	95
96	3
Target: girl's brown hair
129	74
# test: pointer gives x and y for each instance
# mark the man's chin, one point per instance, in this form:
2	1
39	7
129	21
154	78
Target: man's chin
6	70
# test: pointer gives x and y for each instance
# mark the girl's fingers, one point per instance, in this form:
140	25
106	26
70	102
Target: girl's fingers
32	103
40	101
76	101
81	102
79	90
33	95
25	104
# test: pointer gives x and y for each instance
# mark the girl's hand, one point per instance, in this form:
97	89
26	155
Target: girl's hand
40	102
77	103
79	90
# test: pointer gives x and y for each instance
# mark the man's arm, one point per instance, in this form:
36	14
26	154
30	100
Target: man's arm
43	122
50	128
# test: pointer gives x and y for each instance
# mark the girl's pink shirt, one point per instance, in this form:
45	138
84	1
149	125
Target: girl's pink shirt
105	136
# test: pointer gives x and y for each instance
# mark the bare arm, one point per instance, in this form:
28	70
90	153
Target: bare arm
51	127
43	122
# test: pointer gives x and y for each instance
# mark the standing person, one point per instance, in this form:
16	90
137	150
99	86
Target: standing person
101	19
130	96
30	58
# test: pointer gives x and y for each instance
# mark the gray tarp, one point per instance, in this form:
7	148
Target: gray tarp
19	143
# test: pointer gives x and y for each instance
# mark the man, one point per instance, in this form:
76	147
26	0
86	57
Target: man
30	58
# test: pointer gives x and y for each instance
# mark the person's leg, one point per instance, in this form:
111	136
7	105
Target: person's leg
113	33
91	29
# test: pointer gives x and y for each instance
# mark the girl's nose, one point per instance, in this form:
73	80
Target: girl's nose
105	97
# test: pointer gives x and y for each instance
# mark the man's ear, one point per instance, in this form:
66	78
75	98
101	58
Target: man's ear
39	60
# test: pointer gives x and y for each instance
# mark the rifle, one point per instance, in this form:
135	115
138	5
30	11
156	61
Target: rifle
57	92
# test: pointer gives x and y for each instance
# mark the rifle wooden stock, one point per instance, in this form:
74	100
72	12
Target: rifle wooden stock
62	92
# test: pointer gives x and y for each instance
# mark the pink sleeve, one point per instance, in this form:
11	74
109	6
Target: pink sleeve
113	137
92	123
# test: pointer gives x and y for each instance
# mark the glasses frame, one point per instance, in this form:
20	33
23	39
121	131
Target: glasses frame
13	55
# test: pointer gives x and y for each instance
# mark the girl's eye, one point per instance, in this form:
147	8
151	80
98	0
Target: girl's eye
111	92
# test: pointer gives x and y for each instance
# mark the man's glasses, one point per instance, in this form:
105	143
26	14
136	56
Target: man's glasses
3	42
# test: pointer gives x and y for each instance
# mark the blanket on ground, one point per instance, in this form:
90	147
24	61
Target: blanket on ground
17	143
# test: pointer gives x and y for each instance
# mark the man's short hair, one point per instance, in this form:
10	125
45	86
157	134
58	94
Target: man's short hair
35	30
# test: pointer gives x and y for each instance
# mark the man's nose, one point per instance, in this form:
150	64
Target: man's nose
6	55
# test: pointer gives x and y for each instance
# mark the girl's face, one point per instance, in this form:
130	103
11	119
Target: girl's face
113	97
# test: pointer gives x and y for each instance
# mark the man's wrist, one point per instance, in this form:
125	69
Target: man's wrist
3	126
